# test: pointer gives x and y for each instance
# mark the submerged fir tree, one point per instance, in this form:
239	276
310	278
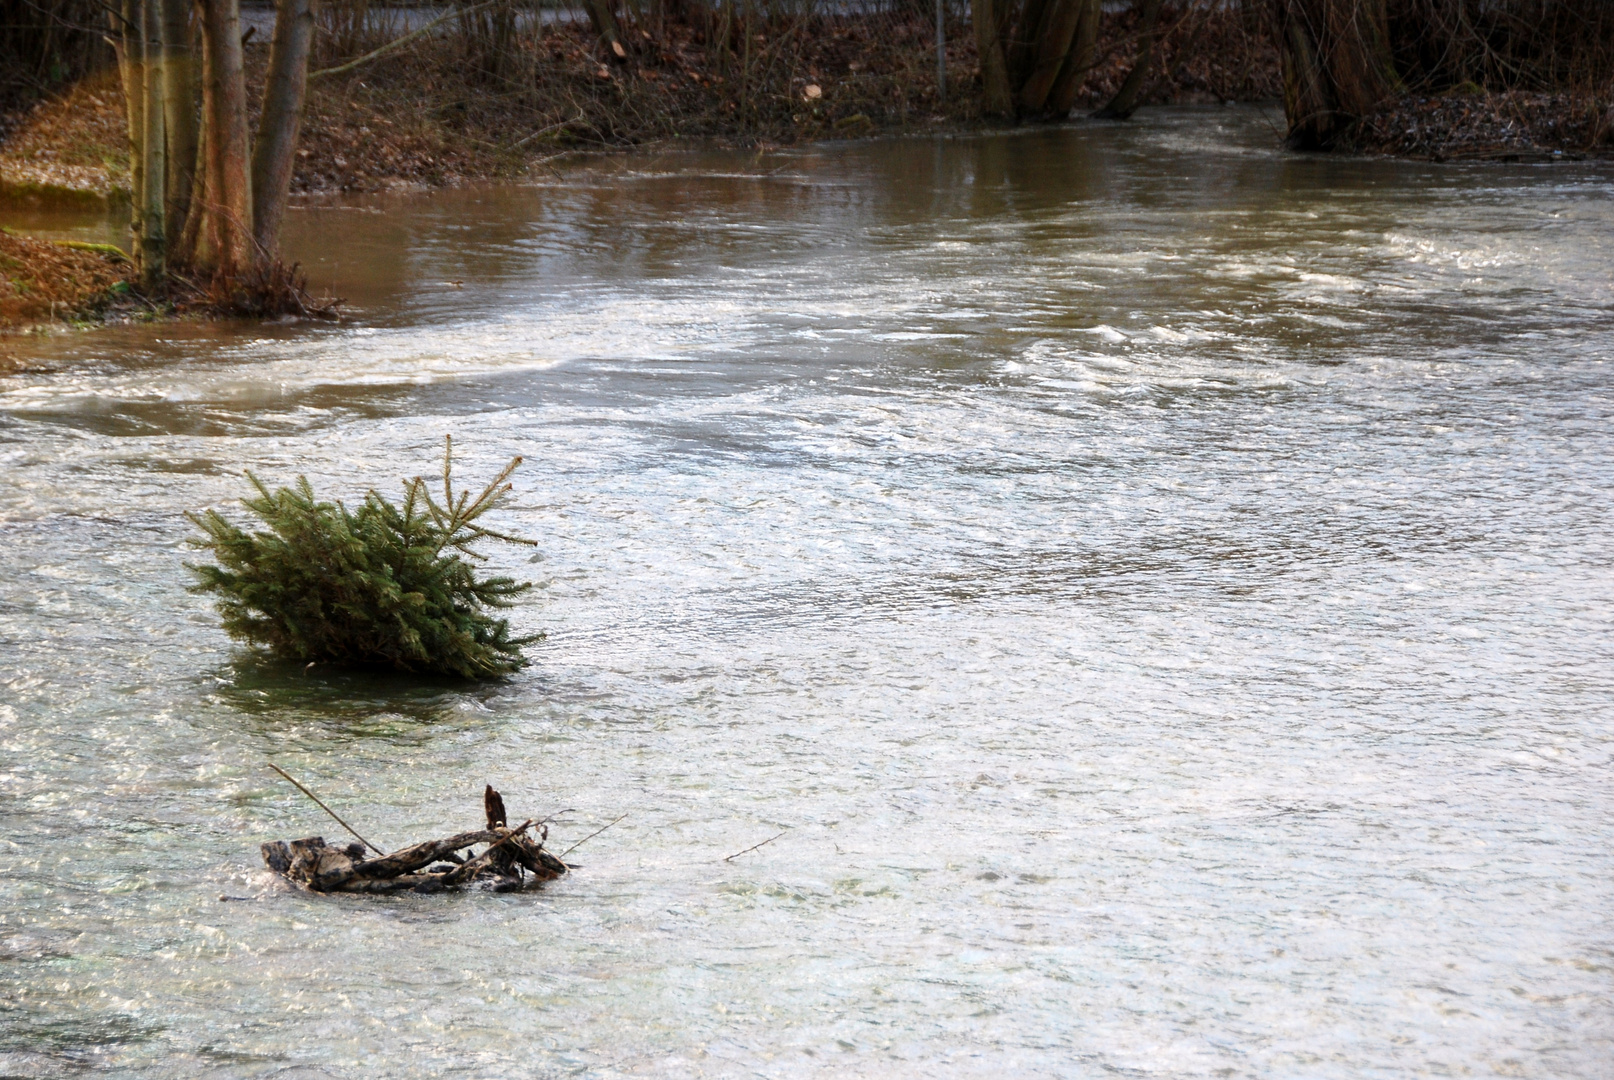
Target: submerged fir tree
383	585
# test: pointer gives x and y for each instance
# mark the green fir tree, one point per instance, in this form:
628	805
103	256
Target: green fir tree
383	585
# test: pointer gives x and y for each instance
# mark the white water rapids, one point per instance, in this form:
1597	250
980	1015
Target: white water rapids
1159	587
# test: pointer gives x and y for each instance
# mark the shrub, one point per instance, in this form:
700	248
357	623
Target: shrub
386	585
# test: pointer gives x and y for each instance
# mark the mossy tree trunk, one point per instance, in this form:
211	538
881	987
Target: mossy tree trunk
1336	67
1034	54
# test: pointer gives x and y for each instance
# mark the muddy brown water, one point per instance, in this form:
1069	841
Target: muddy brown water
1159	586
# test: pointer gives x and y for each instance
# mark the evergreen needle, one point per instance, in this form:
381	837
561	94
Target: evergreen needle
381	585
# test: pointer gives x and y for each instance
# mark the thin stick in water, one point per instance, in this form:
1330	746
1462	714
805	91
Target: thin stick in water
753	847
587	838
327	809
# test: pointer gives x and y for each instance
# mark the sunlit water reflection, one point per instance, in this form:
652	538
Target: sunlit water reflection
1159	586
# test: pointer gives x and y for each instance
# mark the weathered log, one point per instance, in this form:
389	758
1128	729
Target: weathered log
401	883
324	868
277	856
538	862
423	854
495	860
504	855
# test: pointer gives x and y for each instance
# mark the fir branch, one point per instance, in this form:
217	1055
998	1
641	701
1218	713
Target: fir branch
380	585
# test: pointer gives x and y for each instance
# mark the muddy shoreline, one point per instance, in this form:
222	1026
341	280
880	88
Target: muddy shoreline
425	119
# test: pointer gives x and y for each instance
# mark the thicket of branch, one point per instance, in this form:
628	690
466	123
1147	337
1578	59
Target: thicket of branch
1504	45
46	44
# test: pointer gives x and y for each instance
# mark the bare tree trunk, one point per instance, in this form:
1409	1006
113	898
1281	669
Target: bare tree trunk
225	248
275	153
153	260
1055	31
191	243
1078	61
996	97
1020	39
1125	101
1033	62
602	14
1336	66
179	117
126	42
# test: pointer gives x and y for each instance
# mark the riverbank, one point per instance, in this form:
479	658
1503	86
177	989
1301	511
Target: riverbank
1471	125
436	112
43	282
429	115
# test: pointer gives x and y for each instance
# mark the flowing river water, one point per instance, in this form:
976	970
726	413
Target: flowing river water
1158	586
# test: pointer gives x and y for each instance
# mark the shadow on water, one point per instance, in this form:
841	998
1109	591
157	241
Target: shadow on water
67	1044
358	702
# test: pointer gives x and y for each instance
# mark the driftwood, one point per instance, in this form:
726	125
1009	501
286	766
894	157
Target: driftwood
432	866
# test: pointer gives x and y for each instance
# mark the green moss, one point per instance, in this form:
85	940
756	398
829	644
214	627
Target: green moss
383	585
32	193
111	251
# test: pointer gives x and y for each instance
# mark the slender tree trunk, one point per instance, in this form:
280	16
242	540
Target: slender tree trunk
275	153
153	259
602	14
1336	66
1078	61
1056	29
1125	101
996	97
226	248
1033	62
180	92
192	242
126	26
1020	39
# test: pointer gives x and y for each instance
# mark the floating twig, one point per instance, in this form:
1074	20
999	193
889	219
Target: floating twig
589	837
753	847
327	809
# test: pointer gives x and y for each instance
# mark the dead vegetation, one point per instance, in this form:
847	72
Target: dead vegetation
1474	126
50	283
73	141
494	93
514	859
46	46
45	282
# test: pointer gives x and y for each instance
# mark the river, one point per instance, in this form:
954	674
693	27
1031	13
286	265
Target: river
1156	588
